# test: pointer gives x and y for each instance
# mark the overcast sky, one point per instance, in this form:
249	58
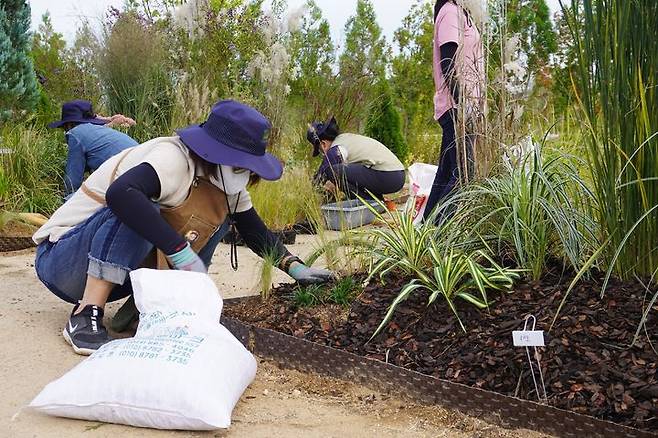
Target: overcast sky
66	14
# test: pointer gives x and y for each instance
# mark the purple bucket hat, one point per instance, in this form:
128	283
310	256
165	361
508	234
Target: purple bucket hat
77	111
234	135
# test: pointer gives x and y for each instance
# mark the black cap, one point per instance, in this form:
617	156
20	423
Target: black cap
318	131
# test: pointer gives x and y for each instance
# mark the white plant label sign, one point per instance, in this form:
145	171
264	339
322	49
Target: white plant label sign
528	338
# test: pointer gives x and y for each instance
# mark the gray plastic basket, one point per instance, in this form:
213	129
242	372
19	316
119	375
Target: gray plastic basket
346	215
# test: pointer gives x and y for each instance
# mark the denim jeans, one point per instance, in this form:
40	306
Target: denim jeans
208	250
104	248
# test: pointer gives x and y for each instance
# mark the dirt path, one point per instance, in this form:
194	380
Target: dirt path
280	403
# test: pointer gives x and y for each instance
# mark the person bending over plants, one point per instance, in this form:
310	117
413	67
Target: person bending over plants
90	139
178	195
458	66
355	164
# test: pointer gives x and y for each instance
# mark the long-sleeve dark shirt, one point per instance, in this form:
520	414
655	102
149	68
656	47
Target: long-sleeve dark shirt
448	58
331	158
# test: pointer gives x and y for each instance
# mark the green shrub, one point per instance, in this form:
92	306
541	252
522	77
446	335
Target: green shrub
384	123
424	139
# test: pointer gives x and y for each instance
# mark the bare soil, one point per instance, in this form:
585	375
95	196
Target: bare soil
280	403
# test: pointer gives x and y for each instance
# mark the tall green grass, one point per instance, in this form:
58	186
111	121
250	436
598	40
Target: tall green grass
616	81
136	78
32	166
285	202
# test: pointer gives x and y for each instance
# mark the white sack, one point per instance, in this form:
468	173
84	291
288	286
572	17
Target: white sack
182	370
421	178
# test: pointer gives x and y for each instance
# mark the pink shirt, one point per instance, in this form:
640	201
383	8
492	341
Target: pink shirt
452	25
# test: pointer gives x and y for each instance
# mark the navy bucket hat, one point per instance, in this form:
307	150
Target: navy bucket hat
234	135
77	111
318	131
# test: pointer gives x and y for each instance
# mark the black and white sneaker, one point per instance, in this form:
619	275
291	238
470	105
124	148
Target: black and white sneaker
85	331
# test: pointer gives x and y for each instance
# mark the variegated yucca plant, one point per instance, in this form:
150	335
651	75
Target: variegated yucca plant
442	260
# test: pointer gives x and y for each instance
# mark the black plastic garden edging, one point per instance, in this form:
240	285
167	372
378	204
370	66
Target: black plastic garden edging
300	354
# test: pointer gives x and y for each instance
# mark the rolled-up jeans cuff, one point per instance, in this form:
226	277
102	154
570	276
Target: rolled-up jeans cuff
107	271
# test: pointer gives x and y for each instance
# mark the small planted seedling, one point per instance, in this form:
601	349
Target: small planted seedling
344	292
341	293
307	296
266	276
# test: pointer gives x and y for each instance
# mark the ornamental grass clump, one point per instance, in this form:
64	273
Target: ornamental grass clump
342	293
266	275
399	246
307	296
31	169
133	68
535	210
283	203
443	259
615	81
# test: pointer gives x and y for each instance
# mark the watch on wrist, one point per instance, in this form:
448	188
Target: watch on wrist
287	261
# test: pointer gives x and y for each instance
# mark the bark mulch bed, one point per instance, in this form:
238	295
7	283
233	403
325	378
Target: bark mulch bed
587	363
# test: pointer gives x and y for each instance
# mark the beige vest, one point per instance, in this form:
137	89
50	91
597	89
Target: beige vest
197	218
369	152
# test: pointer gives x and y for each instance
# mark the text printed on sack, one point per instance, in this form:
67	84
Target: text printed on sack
167	348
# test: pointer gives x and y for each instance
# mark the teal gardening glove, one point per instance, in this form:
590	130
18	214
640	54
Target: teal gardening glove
305	275
187	260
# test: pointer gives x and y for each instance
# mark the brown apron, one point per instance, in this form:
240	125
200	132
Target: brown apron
201	214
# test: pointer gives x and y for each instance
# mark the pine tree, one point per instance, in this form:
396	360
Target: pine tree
531	20
18	84
362	62
384	123
365	46
565	59
48	50
412	79
313	55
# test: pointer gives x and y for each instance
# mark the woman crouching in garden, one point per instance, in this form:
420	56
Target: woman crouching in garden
176	194
357	165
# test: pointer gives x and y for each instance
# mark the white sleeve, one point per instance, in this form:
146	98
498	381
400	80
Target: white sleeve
242	204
